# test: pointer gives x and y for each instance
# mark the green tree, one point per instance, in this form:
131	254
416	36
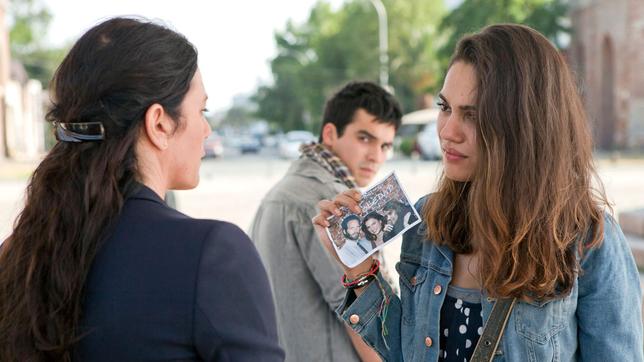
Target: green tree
29	21
334	47
546	16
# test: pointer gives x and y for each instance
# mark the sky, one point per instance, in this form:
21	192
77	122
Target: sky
234	38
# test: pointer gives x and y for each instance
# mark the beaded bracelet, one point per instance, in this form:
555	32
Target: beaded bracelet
362	279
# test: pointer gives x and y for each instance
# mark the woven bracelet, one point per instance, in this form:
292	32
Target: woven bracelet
362	279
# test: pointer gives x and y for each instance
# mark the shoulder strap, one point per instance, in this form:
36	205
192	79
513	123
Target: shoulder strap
493	330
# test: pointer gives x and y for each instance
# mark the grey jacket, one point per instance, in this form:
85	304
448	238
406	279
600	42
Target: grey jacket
304	277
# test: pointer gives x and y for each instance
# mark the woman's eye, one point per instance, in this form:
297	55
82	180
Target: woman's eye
443	106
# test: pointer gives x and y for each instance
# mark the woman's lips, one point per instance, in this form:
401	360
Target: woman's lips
453	155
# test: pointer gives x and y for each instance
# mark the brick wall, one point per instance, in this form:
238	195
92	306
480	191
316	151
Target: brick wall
607	52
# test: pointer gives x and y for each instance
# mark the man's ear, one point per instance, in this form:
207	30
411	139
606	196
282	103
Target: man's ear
329	134
158	126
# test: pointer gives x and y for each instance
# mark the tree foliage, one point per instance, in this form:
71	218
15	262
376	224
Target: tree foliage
546	16
29	21
336	46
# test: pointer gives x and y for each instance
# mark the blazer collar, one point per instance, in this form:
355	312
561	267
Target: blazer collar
143	192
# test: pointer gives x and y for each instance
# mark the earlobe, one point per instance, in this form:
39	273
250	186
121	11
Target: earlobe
158	126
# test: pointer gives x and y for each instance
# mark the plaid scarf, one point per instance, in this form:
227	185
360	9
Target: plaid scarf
330	162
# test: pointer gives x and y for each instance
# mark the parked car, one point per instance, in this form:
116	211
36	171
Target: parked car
428	144
213	145
413	125
289	145
249	144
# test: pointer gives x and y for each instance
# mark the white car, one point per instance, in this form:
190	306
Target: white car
421	125
289	145
428	143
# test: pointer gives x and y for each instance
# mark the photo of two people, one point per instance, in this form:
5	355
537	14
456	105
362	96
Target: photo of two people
386	214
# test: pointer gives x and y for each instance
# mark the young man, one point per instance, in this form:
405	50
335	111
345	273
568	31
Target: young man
357	132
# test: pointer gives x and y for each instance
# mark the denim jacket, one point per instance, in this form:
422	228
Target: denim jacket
600	320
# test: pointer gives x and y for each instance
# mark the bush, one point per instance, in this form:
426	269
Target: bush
407	146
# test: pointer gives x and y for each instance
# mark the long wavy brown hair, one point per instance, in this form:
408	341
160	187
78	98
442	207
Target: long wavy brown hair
531	207
112	75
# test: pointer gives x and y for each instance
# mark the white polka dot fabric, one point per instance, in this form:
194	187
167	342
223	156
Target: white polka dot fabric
461	324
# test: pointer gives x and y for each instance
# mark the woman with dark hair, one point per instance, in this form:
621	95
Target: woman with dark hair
516	257
373	227
98	267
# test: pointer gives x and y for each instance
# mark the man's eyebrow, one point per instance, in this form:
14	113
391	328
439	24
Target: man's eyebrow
367	134
372	137
467	107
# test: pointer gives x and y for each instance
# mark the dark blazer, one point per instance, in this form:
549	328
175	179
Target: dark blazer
168	287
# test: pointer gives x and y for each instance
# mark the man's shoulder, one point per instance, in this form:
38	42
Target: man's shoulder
292	201
304	189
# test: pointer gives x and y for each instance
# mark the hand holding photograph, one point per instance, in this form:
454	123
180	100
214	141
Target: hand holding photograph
386	214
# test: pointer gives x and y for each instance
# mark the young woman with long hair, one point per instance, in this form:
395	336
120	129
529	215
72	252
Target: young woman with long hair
98	267
519	218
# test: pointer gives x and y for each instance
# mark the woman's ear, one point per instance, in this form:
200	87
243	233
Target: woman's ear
329	135
158	126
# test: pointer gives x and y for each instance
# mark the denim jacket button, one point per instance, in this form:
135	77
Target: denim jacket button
354	319
428	342
438	289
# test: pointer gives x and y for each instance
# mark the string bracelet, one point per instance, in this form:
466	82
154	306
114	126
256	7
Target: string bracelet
382	313
362	279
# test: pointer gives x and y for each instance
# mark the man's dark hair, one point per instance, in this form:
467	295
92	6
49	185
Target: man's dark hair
375	100
345	224
394	205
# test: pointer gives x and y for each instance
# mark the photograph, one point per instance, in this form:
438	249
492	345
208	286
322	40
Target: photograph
386	214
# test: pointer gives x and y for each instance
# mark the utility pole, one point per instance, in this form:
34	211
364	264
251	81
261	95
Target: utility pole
383	43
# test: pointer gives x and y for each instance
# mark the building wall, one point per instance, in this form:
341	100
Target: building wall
24	120
636	75
4	72
607	52
22	134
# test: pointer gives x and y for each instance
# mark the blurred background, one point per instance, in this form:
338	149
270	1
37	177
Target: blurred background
269	66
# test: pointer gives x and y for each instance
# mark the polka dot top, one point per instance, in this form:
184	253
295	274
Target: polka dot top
461	324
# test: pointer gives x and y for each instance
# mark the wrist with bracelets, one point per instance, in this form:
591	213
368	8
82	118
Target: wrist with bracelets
362	279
